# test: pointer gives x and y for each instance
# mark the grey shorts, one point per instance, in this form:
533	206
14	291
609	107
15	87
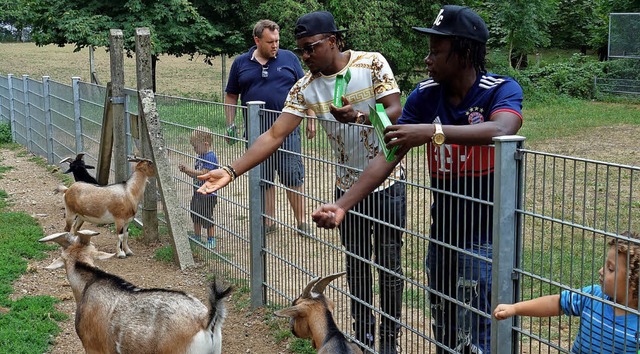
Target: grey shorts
288	164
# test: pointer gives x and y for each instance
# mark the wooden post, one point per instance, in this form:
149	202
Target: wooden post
176	218
106	141
145	82
116	48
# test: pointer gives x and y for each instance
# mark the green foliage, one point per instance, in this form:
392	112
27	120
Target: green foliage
30	323
3	198
572	78
176	26
5	133
164	254
568	28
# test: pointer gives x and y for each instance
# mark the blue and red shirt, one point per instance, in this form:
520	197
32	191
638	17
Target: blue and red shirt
489	95
462	169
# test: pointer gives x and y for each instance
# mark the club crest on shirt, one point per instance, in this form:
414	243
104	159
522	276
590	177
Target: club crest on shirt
474	115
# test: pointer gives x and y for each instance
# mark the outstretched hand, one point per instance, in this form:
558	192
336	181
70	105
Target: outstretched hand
504	311
328	216
214	180
407	136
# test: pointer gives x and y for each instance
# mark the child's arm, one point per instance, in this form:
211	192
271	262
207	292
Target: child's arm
545	306
192	172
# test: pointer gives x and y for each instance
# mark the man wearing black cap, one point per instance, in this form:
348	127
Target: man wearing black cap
456	112
354	144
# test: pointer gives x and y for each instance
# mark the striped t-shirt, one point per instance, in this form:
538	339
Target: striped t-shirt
600	330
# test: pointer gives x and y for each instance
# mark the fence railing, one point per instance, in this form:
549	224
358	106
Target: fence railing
551	215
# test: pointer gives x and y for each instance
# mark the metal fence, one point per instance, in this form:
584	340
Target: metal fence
552	214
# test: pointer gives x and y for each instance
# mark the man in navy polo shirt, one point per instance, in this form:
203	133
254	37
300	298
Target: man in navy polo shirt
265	73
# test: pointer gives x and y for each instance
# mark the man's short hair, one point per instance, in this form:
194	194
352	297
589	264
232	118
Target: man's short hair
262	25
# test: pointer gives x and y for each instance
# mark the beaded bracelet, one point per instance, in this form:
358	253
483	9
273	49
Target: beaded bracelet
229	170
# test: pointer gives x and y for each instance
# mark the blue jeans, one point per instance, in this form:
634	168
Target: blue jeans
465	278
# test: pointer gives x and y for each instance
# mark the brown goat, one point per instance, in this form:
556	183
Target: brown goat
311	318
115	316
115	203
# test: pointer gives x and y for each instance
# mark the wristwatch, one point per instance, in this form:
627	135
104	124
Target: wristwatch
438	137
360	118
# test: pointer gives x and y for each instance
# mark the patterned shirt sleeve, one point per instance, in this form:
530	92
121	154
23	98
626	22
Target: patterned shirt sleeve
384	83
572	302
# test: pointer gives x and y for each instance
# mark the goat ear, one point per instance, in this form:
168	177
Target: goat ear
56	264
102	255
64	239
86	235
293	311
88	167
322	283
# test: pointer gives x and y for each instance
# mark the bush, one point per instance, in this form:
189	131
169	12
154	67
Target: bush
5	133
572	78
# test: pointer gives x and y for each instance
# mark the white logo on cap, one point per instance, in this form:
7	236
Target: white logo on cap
438	18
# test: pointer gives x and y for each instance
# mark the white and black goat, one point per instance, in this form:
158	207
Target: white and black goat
312	318
79	169
115	203
115	316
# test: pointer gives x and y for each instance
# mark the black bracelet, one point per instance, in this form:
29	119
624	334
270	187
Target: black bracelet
234	175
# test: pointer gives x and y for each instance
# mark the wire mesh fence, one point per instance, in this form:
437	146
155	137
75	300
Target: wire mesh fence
562	212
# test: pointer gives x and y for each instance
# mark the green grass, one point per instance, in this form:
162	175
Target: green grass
28	324
566	117
164	254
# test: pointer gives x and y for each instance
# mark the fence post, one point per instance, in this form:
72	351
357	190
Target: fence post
46	96
27	111
75	84
258	293
144	81
506	247
12	112
116	45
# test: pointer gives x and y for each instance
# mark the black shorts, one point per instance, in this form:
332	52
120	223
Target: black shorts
202	209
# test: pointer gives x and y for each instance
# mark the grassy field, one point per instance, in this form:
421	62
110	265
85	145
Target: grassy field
177	76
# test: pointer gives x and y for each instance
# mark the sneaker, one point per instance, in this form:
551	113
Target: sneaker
305	230
193	236
211	243
270	229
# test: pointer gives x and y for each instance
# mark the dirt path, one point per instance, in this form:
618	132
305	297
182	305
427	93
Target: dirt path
244	331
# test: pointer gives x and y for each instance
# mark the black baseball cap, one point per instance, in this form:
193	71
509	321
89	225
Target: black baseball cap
315	23
461	21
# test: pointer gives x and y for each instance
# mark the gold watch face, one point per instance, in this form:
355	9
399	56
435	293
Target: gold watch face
438	139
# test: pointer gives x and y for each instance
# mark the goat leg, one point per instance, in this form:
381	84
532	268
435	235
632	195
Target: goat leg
121	230
125	240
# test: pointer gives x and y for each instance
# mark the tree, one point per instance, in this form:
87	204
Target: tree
12	20
571	26
176	26
521	26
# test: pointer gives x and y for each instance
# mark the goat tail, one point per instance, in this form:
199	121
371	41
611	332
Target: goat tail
60	189
218	292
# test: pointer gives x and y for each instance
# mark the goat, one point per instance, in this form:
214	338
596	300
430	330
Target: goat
79	169
115	316
311	318
115	203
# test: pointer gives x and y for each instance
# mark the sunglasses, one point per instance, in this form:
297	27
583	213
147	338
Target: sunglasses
265	72
308	49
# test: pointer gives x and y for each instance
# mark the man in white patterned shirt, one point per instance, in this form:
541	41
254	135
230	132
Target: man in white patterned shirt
354	145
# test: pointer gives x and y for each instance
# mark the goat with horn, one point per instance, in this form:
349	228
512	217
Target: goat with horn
311	318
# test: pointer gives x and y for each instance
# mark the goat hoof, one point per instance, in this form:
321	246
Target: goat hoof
129	253
122	255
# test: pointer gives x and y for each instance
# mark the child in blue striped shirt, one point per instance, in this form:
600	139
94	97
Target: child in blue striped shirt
603	328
